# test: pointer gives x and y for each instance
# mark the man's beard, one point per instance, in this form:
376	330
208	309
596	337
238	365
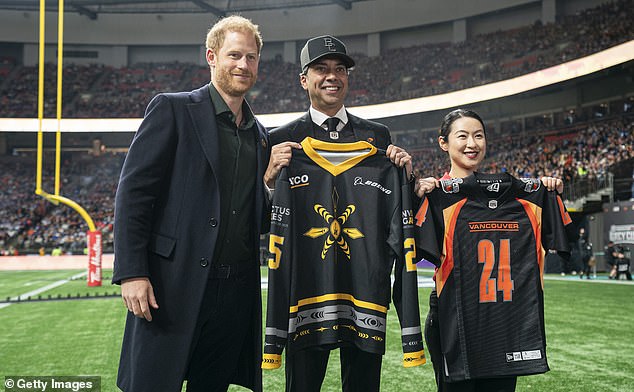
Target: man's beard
225	81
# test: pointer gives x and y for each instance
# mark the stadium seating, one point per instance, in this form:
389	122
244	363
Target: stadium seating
28	223
573	149
92	91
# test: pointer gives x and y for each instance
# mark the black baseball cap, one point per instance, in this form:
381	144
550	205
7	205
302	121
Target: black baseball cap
325	45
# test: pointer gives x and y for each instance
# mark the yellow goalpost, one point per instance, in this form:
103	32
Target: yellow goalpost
93	235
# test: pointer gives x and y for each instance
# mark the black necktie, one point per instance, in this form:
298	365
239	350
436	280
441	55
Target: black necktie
332	124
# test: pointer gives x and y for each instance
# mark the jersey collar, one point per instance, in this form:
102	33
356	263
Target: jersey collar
312	147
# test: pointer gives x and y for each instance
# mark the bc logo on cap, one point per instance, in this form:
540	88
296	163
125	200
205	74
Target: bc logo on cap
329	44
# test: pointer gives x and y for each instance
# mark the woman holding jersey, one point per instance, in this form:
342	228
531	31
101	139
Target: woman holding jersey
462	135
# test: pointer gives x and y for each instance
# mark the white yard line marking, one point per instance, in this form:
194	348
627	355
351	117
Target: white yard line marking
43	289
593	281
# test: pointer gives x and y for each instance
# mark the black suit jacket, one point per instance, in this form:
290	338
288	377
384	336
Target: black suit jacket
366	130
167	216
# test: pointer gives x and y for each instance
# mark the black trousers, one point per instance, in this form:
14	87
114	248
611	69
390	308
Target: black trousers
432	338
586	266
360	371
506	384
224	324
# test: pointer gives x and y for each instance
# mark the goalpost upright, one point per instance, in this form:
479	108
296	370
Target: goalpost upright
93	235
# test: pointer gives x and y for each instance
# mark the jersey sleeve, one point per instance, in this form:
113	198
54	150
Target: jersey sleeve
428	229
405	290
555	223
279	256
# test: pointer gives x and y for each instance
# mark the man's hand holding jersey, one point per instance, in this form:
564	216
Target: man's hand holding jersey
426	185
400	158
281	155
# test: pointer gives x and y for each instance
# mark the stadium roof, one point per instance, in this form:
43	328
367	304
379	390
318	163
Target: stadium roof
92	8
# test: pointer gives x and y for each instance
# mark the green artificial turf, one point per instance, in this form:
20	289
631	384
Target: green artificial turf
589	328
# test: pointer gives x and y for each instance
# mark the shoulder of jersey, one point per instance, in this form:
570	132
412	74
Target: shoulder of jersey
531	184
451	185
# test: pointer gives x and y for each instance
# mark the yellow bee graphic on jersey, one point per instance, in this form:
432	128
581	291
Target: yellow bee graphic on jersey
334	230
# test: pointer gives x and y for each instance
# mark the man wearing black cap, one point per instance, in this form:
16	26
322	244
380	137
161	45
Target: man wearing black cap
325	67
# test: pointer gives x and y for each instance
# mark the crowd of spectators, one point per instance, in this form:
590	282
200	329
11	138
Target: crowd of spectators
19	89
100	91
584	151
29	223
125	92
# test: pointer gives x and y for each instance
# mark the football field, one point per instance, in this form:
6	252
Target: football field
589	327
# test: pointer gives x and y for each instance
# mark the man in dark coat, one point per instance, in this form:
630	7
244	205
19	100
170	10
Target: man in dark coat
190	206
325	68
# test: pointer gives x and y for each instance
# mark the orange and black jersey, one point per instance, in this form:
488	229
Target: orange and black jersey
489	234
341	220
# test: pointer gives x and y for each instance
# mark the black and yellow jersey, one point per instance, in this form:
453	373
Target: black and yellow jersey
488	235
341	221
